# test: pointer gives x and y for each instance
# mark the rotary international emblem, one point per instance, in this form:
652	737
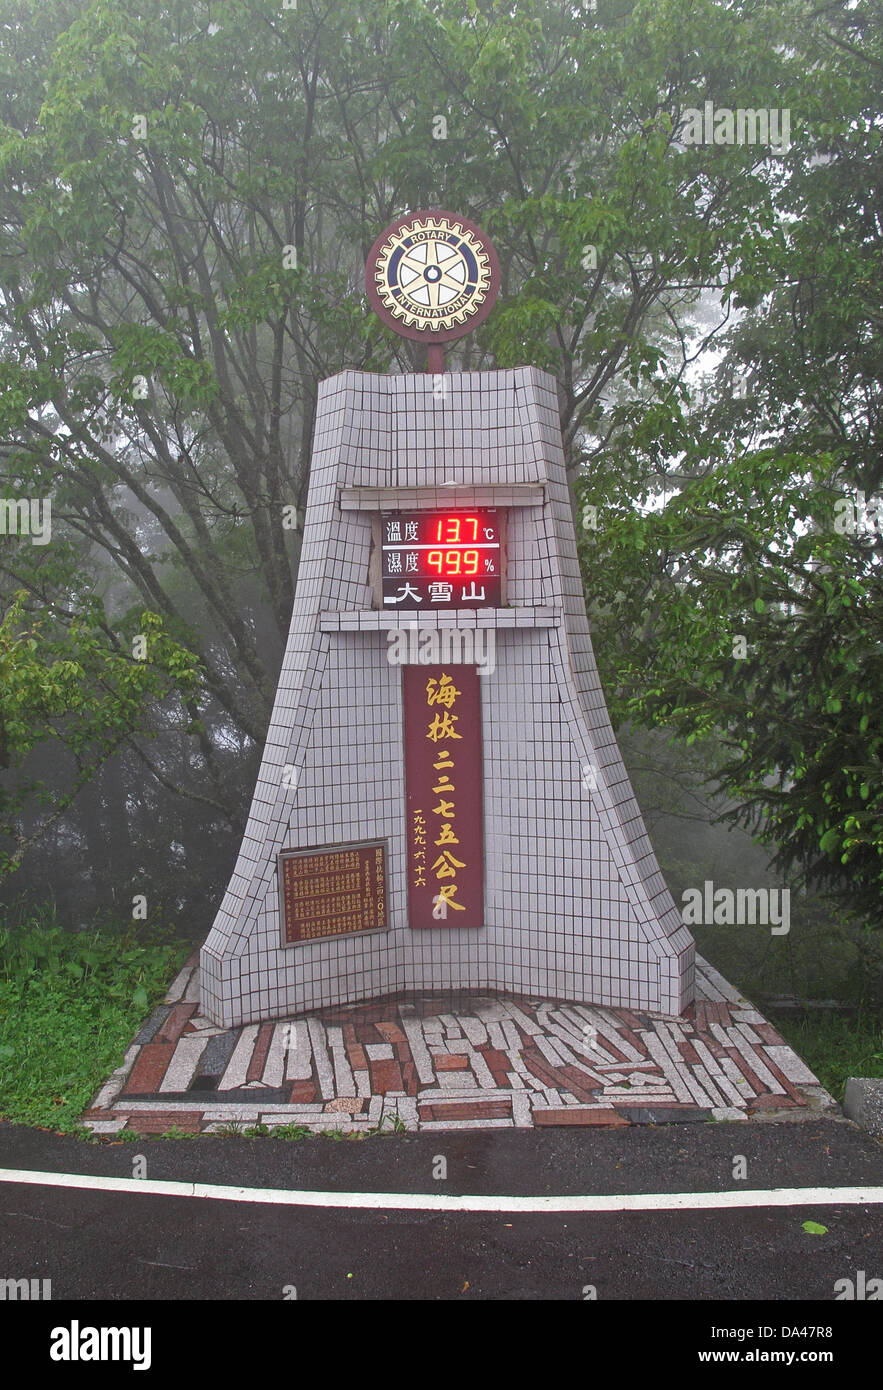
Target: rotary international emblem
432	276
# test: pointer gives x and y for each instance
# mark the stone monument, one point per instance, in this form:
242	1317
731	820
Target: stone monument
441	802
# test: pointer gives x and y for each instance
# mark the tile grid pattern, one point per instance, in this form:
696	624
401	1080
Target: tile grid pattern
452	1063
575	904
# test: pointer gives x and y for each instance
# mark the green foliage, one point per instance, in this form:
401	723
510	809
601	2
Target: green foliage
729	602
395	1123
162	165
76	686
233	1129
834	1047
159	166
760	625
147	351
291	1132
69	1005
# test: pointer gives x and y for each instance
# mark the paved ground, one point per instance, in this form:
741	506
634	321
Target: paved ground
456	1062
495	1099
110	1245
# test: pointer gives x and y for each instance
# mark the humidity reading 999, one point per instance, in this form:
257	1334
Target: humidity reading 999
448	558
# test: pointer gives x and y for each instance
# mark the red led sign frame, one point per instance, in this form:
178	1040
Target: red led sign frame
440	560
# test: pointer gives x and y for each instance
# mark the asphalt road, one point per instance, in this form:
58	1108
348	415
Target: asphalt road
96	1245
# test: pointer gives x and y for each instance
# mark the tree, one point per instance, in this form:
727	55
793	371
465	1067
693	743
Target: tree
755	586
72	686
189	194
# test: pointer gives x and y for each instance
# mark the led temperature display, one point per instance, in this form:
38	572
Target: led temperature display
441	559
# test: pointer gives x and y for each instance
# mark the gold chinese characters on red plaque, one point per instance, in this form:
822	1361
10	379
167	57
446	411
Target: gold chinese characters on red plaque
336	891
445	840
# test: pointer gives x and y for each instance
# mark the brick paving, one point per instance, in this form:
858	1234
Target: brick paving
467	1061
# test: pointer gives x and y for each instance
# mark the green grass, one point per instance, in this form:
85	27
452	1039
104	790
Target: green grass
826	955
70	1003
237	1129
834	1046
291	1132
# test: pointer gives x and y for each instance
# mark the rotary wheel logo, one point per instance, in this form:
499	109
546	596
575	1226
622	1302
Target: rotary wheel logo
432	275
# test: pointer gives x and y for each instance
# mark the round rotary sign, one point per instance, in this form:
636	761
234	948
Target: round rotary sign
432	276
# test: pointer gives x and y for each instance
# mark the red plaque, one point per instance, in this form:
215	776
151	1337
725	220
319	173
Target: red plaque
445	841
332	891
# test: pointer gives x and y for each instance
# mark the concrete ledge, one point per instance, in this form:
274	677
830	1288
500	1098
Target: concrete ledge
404	498
374	620
863	1102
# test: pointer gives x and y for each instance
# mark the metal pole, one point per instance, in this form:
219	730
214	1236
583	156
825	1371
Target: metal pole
435	359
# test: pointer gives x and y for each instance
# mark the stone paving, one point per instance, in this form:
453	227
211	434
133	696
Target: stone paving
469	1061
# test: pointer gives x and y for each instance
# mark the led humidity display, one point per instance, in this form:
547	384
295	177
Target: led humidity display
441	559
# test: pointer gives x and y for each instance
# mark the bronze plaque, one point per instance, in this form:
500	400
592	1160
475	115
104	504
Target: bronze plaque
332	891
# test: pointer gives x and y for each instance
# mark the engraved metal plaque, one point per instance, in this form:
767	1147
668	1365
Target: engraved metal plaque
333	890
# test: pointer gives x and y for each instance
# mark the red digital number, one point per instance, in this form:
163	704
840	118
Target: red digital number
454	531
448	530
451	526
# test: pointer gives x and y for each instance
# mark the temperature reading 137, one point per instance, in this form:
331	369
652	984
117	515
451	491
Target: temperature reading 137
459	530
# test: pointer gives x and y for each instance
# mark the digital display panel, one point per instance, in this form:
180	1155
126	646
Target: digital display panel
441	559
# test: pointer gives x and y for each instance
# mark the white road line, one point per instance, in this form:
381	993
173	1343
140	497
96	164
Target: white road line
423	1201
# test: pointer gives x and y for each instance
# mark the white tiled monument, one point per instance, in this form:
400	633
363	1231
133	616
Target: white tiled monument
564	896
